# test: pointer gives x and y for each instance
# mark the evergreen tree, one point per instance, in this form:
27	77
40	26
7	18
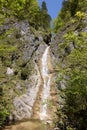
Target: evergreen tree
45	16
44	6
73	7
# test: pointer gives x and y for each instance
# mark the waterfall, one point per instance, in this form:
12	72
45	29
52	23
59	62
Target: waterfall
36	101
46	85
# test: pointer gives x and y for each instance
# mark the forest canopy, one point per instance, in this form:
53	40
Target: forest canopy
25	9
70	9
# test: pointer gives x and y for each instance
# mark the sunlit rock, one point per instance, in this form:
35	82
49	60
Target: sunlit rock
10	71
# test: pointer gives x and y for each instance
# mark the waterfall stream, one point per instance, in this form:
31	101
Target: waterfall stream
41	112
46	85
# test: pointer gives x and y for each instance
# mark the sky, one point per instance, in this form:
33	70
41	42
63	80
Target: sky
53	6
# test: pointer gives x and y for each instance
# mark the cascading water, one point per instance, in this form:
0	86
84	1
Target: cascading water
46	86
43	95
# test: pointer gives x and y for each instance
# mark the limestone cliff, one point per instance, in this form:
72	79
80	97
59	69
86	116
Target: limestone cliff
20	52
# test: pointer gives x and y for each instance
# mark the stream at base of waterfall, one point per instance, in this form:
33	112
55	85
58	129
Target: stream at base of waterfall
46	105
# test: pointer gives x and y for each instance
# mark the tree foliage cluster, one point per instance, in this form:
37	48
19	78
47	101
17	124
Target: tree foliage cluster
76	90
25	9
75	75
69	11
73	71
4	106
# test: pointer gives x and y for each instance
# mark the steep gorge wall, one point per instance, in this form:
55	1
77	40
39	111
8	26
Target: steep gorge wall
69	49
20	53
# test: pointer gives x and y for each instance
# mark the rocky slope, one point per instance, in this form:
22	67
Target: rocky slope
20	52
69	49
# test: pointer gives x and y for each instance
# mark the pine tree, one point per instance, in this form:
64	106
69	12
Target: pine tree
44	6
45	16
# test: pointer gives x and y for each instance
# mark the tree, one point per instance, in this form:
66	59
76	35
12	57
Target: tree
75	71
73	7
4	106
44	6
45	17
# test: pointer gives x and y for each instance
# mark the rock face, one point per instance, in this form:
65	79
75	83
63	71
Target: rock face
24	104
20	66
10	71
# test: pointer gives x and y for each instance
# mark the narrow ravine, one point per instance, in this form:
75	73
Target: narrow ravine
41	114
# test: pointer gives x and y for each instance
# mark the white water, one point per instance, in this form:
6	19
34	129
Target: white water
46	88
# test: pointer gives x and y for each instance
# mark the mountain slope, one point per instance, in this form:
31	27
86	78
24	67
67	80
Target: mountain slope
69	48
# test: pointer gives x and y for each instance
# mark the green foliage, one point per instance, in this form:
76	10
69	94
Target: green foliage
24	9
4	106
45	17
44	7
58	23
76	97
73	6
80	14
4	49
70	9
3	114
75	71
